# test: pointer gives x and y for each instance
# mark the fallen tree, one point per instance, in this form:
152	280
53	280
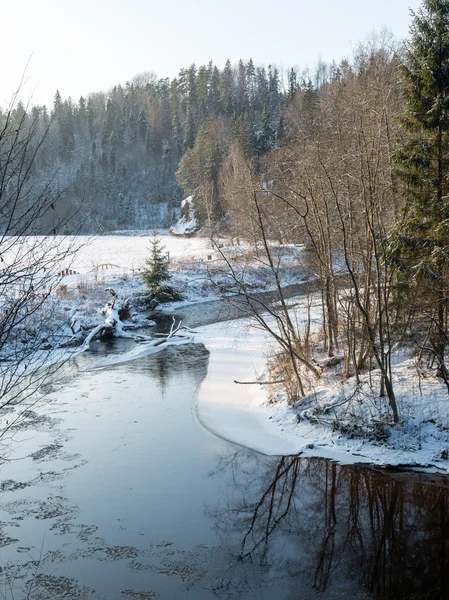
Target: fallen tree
116	314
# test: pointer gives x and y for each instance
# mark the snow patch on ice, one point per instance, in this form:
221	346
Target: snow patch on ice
242	413
143	349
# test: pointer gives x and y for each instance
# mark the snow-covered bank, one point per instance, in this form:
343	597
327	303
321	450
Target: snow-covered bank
243	414
196	267
116	261
229	410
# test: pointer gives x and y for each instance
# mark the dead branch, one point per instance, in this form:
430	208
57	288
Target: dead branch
259	382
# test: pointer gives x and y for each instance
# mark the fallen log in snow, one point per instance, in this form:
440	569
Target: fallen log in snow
115	312
148	347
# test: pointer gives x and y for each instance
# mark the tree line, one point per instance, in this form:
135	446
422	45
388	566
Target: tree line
115	154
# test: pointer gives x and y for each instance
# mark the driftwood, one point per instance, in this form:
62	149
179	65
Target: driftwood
173	331
75	340
151	346
114	313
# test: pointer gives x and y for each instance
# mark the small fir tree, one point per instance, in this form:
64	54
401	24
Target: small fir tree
157	276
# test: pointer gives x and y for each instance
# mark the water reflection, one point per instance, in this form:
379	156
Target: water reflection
121	494
335	528
174	362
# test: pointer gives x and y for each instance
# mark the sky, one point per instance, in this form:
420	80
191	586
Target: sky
91	45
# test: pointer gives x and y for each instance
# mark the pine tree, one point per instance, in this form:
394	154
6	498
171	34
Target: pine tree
214	90
293	86
176	120
241	134
251	81
198	171
266	136
189	136
226	89
242	99
202	84
419	245
423	159
157	276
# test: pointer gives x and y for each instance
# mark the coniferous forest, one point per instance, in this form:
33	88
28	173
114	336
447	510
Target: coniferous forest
114	155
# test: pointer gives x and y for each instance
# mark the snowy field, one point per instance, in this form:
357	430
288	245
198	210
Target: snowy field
130	251
117	261
197	269
196	266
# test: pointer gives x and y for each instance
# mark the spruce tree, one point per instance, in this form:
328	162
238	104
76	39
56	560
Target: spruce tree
226	89
157	276
419	246
266	135
189	137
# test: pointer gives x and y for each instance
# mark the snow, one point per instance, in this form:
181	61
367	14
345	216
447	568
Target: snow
236	412
243	414
193	265
185	226
116	261
257	416
141	350
130	251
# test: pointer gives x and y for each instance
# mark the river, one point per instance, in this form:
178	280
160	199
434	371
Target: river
113	490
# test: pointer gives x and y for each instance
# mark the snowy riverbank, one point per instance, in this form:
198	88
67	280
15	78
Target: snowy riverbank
243	414
197	269
324	424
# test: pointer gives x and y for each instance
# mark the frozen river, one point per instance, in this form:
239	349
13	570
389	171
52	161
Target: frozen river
115	491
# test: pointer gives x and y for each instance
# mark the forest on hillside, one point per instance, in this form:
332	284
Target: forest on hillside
123	159
114	155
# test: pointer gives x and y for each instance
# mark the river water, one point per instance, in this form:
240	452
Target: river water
113	490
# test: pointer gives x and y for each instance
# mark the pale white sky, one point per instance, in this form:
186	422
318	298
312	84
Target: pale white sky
84	46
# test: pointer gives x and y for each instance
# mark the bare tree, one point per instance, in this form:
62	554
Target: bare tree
258	221
32	255
336	179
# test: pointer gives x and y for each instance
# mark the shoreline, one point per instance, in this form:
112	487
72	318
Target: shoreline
242	414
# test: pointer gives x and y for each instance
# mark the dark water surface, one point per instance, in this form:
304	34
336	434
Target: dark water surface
115	491
234	307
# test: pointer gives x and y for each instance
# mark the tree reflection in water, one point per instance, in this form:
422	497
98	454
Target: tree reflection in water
381	534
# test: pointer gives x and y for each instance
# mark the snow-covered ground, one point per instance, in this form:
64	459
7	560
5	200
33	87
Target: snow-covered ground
326	423
117	261
120	259
244	414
